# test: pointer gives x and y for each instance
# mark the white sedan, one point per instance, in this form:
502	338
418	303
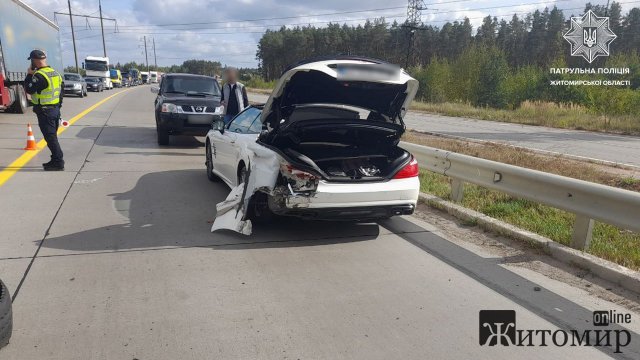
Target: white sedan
324	146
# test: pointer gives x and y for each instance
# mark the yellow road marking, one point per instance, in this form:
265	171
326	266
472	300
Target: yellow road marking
23	159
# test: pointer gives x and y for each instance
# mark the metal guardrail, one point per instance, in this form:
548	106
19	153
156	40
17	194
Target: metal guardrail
589	201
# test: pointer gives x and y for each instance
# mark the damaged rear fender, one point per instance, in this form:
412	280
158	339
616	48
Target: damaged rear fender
262	174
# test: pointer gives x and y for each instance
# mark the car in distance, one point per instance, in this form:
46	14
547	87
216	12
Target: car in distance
185	104
327	147
74	84
94	84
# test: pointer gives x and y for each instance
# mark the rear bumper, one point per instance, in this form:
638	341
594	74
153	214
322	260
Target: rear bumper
73	91
351	213
354	201
190	124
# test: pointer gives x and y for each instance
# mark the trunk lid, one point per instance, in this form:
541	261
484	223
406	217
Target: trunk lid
382	89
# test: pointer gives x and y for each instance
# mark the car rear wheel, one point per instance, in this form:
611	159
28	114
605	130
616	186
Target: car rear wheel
163	136
6	318
209	162
259	209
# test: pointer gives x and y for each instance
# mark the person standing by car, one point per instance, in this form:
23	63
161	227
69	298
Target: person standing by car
234	95
45	86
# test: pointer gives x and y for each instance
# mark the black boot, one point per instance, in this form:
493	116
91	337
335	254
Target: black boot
54	166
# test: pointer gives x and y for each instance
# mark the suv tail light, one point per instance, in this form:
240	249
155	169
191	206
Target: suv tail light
408	171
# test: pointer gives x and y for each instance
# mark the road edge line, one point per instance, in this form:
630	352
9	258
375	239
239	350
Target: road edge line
605	269
17	164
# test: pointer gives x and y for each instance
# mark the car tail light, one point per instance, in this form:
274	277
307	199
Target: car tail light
408	171
298	180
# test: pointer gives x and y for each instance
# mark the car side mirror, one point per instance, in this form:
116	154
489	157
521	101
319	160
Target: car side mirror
218	124
155	89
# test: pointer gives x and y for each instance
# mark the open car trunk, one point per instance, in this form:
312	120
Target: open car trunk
342	149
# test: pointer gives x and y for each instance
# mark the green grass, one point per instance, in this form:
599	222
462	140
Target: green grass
609	242
259	83
564	116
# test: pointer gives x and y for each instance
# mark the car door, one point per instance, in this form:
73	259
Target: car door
226	153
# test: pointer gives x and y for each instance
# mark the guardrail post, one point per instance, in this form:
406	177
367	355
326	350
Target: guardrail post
457	190
582	232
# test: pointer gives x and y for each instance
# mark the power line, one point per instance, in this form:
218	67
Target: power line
266	19
334	21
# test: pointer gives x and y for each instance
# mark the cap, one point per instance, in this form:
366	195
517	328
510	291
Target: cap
37	54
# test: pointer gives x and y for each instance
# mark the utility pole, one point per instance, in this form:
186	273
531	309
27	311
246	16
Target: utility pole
145	52
73	37
104	45
413	23
155	60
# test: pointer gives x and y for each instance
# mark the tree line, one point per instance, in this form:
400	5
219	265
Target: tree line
503	64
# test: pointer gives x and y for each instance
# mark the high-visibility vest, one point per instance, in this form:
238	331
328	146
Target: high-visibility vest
50	95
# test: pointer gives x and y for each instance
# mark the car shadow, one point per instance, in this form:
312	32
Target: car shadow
182	217
135	138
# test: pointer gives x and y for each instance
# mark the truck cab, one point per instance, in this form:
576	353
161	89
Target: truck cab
98	66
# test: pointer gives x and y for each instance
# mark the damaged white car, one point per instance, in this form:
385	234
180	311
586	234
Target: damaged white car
324	146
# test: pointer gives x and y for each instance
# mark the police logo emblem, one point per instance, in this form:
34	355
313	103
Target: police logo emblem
590	36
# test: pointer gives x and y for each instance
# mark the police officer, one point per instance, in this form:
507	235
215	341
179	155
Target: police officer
45	86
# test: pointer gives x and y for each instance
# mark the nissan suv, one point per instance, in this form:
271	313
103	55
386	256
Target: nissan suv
186	104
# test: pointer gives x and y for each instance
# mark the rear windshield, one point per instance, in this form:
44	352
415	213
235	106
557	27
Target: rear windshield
201	85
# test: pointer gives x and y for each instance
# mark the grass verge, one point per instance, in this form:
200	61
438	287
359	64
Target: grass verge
555	164
609	242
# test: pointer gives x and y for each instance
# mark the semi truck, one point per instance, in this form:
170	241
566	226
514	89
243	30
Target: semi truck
98	66
23	29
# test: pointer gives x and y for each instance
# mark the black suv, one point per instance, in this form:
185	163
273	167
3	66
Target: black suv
186	104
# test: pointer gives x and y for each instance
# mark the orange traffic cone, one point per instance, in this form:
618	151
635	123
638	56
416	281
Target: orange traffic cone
31	140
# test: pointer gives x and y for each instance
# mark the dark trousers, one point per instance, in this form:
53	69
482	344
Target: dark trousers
49	120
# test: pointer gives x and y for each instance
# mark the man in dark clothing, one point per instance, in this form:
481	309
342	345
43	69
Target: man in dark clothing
234	95
45	86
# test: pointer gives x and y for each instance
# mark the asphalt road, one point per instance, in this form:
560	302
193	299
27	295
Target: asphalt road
113	259
599	146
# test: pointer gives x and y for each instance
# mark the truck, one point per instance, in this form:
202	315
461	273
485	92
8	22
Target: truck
98	66
116	77
23	29
153	75
135	77
144	75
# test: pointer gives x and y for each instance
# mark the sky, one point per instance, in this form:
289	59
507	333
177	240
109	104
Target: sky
228	31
